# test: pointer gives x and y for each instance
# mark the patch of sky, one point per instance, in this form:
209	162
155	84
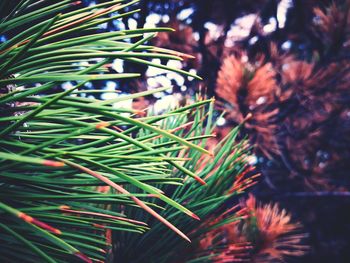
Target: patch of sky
240	29
162	81
220	121
119	24
185	13
282	10
192	71
261	100
165	18
286	45
88	85
67	85
92	3
153	71
271	26
174	64
196	36
103	26
2	39
110	86
253	40
252	160
152	20
179	79
165	103
118	65
124	104
213	29
132	23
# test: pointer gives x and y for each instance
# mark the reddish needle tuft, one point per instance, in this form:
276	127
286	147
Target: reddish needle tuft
53	163
101	125
200	180
83	257
38	223
195	216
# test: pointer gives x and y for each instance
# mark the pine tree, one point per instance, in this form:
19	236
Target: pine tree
84	179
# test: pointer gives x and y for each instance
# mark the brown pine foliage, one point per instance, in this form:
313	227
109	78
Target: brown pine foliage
248	88
300	109
332	24
265	234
